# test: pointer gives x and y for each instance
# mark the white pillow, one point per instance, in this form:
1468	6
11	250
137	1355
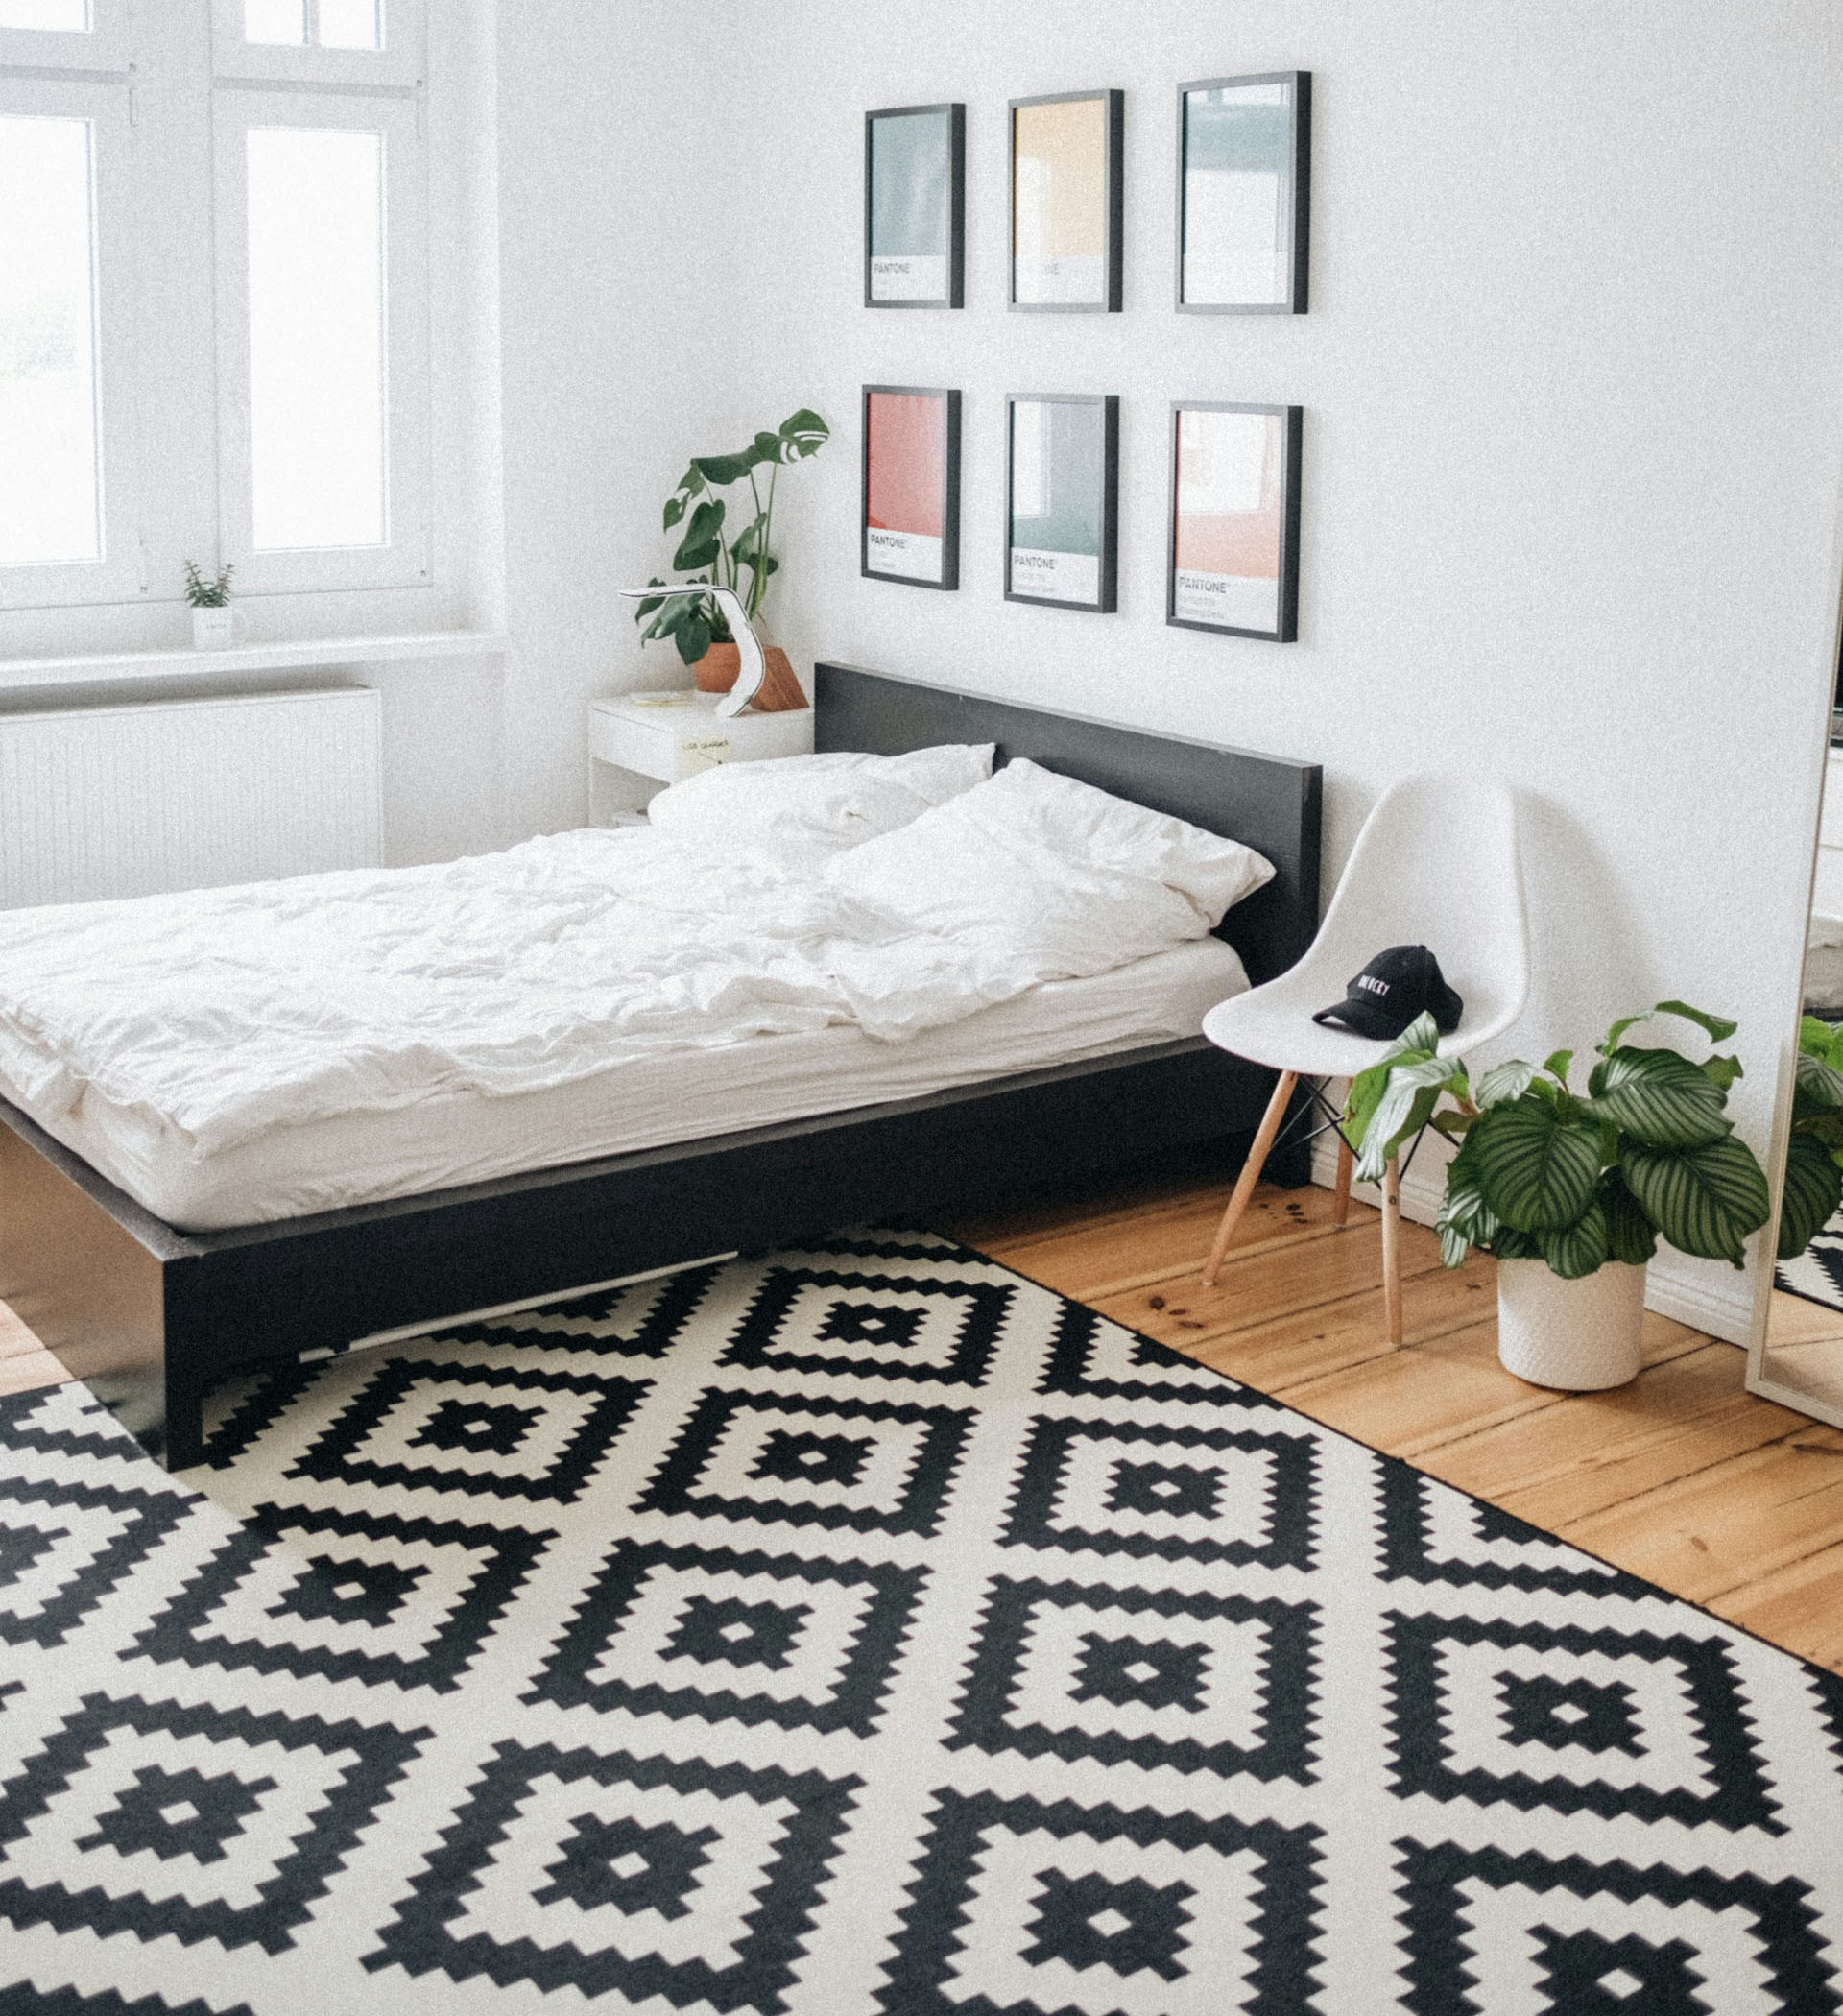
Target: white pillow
1086	879
820	803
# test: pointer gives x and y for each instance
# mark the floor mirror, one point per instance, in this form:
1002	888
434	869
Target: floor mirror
1796	1356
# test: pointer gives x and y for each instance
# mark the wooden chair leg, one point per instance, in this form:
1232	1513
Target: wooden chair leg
1391	1247
1249	1174
1345	1164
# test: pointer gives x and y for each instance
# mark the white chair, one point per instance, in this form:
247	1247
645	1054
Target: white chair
1436	864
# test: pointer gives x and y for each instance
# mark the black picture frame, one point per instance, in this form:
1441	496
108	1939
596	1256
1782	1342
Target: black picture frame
950	517
1291	434
1293	206
1105	506
955	116
1113	203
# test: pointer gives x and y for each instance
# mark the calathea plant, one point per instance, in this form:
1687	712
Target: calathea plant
693	622
1814	1152
1576	1179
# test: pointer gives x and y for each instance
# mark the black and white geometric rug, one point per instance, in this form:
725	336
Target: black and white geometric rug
1817	1273
864	1632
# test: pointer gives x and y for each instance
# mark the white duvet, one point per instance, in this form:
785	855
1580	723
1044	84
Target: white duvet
223	1013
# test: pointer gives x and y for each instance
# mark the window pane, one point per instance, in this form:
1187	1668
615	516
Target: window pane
317	337
50	508
61	16
351	24
274	23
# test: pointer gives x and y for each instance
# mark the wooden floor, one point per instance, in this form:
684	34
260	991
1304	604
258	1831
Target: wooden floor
1682	1476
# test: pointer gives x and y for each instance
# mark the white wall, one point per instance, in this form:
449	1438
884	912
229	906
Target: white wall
1573	380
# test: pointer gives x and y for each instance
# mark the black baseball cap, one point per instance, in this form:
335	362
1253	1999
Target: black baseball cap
1391	991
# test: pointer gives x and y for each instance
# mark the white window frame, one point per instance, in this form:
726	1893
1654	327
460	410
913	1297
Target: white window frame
121	573
398	63
403	560
103	45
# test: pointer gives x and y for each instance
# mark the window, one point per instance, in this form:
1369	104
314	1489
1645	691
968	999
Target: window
254	394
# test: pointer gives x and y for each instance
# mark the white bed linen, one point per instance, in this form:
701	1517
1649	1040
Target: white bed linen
644	1101
225	1013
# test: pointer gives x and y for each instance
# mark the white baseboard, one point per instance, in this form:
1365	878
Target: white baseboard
1680	1288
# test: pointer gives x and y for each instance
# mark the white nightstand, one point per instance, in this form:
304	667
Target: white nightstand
640	741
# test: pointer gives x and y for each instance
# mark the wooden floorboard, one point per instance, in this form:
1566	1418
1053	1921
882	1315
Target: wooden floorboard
1682	1476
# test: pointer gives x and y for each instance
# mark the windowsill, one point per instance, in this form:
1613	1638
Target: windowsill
17	674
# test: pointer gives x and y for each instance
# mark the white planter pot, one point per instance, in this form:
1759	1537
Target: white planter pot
1577	1335
218	629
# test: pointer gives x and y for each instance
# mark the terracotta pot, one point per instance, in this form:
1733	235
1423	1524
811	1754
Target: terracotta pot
780	691
1580	1336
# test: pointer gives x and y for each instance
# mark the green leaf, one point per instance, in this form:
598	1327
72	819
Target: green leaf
1406	1105
1823	1040
1722	1072
723	470
1416	1042
1630	1235
1719	1026
1818	1084
1507	1244
1464	1219
767	447
1556	1063
1814	1189
1662	1098
1704	1200
675	507
1579	1249
1505	1081
1536	1167
694	633
703	538
802	434
748	545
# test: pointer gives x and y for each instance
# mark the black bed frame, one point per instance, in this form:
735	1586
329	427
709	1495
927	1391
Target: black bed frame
150	1317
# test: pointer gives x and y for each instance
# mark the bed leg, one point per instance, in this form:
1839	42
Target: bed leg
184	1441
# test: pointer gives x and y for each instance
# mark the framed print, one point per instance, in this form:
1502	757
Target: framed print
915	207
911	529
1244	153
1062	481
1066	201
1234	519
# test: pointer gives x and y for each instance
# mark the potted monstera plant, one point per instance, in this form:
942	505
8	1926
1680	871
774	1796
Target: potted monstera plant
1571	1189
714	548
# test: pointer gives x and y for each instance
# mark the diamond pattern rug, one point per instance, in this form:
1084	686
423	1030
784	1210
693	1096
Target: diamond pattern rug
1817	1273
864	1632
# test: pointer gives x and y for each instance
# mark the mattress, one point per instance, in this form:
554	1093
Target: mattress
641	1101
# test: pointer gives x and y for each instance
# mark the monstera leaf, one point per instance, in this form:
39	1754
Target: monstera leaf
1537	1164
1705	1200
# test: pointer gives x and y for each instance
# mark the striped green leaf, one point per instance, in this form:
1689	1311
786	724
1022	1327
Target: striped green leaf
1814	1189
1704	1200
1819	1084
1630	1235
1536	1165
1578	1249
1661	1098
1464	1219
1505	1081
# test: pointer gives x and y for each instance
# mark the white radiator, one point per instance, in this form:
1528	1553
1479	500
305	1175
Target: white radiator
128	801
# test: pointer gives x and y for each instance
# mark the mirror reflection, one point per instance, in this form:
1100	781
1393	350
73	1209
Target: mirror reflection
1801	1360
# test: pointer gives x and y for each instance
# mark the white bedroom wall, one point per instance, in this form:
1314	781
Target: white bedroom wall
1572	377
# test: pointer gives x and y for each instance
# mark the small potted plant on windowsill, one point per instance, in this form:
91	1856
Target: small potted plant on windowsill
215	624
694	623
1571	1190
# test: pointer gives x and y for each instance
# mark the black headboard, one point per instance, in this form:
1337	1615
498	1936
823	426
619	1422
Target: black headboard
1264	801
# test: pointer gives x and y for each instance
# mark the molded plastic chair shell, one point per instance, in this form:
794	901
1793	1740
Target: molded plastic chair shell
1436	864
